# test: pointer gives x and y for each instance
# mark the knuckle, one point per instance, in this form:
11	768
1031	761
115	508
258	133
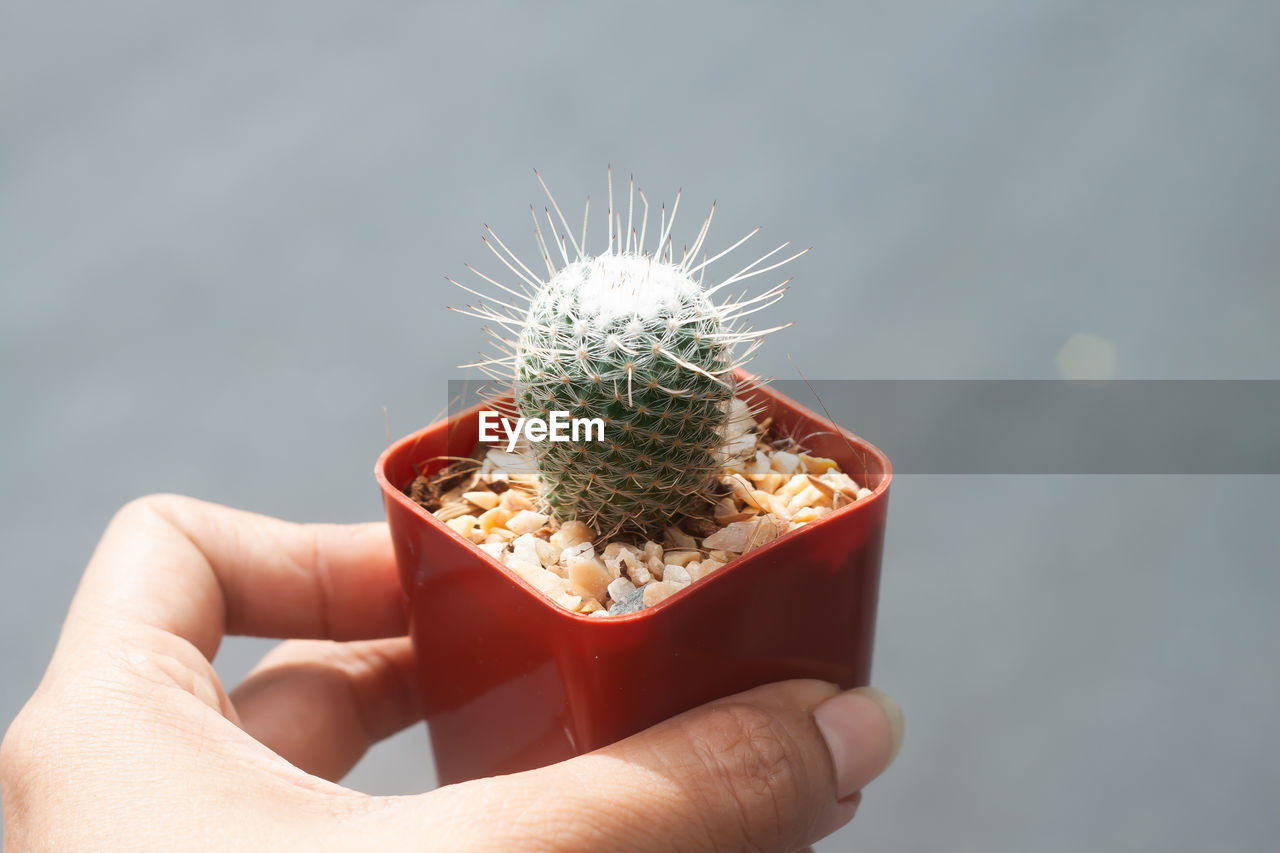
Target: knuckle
144	506
13	749
20	759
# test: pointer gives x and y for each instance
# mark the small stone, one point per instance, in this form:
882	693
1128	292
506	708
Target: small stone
515	463
780	506
620	588
760	465
816	464
793	486
677	575
659	591
640	575
494	549
538	577
462	525
770	482
548	554
630	604
808	514
484	500
766	530
736	448
496	517
591	575
732	538
567	600
613	549
785	463
572	533
698	571
864	493
600	613
740	487
677	538
526	521
512	501
821	485
808	496
841	482
635	567
680	558
526	548
615	557
581	551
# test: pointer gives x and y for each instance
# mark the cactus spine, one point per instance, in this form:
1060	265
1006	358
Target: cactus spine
635	339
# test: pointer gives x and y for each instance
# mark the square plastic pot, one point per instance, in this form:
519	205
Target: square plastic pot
511	681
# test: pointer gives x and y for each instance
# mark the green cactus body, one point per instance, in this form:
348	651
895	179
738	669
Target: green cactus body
636	342
633	339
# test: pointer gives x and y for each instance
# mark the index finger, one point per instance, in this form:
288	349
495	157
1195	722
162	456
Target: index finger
200	570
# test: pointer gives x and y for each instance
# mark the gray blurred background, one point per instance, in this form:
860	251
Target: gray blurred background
223	231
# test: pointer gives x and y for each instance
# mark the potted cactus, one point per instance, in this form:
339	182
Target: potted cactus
689	549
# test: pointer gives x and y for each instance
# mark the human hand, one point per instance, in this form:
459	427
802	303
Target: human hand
130	742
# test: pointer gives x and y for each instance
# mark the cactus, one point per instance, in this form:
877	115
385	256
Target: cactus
635	339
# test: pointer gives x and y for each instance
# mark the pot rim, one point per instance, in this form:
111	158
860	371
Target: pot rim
877	495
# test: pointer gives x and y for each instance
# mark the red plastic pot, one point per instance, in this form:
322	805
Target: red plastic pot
510	681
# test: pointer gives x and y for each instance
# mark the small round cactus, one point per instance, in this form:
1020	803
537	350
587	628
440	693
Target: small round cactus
633	338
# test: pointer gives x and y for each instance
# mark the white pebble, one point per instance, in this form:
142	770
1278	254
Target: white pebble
581	551
679	539
731	538
677	575
485	499
539	578
679	558
785	463
526	521
572	533
659	591
494	549
640	574
526	548
620	588
548	554
591	576
706	567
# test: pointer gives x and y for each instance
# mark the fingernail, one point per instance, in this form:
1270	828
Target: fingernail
853	725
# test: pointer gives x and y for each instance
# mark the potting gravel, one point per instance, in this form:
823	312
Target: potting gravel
768	488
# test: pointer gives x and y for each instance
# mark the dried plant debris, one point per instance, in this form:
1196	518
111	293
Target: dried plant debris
768	487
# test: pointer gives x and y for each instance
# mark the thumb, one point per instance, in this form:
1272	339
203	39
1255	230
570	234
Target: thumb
774	768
